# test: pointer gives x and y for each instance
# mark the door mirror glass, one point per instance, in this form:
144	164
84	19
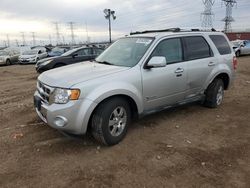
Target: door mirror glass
74	55
157	61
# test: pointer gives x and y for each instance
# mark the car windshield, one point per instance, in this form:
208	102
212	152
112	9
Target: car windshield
61	50
2	53
69	52
30	52
125	52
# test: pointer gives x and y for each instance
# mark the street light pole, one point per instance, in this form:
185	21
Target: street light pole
108	13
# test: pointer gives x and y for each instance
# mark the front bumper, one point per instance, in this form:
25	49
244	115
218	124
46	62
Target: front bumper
26	61
2	62
75	113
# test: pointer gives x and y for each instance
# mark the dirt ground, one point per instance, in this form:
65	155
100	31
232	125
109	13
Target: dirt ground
189	146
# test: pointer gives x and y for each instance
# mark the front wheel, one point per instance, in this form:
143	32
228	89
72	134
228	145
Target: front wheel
237	53
8	62
110	121
214	94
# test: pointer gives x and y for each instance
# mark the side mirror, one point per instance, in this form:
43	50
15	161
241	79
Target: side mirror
157	61
74	55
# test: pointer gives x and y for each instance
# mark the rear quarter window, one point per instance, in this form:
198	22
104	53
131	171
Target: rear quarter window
196	47
221	44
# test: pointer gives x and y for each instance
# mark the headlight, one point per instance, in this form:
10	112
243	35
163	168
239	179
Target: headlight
62	96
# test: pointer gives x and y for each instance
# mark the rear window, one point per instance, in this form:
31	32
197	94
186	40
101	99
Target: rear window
196	48
221	44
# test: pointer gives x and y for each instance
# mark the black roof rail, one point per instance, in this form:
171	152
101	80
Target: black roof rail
170	30
155	31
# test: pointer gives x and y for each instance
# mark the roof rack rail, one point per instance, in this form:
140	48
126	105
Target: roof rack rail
155	31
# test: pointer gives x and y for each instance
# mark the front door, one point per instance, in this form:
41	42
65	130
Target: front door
165	85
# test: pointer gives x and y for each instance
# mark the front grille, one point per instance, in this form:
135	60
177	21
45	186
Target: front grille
44	91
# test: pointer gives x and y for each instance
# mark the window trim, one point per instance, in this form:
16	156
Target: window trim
145	66
211	54
217	47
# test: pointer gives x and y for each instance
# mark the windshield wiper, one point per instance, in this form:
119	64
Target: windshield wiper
104	62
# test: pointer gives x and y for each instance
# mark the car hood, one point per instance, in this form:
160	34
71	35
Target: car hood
45	59
68	76
28	56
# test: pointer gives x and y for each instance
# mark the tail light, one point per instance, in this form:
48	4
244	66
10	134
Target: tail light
235	62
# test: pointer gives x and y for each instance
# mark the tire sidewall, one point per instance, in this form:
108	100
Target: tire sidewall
107	110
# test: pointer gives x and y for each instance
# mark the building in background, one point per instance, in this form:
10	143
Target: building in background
244	35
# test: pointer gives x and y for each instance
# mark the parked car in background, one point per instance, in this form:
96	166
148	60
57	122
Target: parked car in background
32	56
57	51
241	47
69	57
8	57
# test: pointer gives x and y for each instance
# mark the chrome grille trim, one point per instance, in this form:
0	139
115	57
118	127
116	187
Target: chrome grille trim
45	91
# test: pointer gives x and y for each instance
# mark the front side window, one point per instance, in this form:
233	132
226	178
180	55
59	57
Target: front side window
171	49
221	44
83	52
125	52
196	47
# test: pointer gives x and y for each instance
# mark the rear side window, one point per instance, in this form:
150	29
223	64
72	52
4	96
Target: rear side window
221	44
171	49
196	48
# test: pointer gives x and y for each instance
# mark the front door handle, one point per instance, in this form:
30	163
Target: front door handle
179	70
211	64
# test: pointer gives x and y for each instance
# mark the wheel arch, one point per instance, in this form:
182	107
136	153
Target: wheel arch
132	104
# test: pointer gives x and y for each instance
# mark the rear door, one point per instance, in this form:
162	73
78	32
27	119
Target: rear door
200	62
165	85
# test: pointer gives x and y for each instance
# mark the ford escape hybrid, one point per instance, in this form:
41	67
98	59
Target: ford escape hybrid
137	75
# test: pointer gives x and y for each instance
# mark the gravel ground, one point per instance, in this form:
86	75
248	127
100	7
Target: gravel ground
189	146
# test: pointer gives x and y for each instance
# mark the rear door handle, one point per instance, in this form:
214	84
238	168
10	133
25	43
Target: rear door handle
179	70
211	64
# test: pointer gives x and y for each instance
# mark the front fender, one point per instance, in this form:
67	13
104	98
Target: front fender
117	88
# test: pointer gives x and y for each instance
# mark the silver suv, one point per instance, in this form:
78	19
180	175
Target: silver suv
137	75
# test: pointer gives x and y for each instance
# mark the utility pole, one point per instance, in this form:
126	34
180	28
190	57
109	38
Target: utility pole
50	42
33	38
57	32
108	13
87	33
8	40
63	40
228	19
207	14
71	25
23	38
17	44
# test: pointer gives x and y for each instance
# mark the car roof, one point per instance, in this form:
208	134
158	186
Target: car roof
160	34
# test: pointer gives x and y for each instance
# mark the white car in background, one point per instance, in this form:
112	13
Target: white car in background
32	56
241	47
8	57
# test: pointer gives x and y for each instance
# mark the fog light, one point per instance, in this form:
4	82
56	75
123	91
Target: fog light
60	121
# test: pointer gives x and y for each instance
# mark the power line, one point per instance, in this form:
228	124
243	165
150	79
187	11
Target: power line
228	19
71	25
33	38
57	32
23	38
207	14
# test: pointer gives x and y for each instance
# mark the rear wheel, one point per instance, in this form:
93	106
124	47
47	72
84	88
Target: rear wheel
214	94
110	121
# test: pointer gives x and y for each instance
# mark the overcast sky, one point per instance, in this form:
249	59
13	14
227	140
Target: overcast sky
38	16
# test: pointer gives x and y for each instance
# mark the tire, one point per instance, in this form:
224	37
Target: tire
110	121
237	53
214	94
8	62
